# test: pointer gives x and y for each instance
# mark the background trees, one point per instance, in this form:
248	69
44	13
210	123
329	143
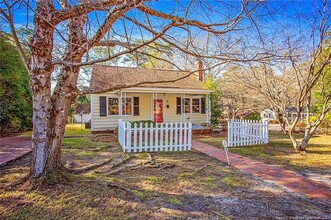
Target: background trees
15	93
215	99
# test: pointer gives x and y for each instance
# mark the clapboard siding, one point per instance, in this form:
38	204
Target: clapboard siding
109	122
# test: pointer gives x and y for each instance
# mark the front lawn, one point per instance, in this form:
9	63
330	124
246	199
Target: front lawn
279	151
76	129
174	185
71	130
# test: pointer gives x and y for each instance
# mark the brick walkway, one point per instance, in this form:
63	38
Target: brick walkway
288	179
12	148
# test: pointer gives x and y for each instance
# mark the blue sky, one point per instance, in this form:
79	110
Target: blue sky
270	17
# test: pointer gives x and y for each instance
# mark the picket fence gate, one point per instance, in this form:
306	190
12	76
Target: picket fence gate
246	132
158	137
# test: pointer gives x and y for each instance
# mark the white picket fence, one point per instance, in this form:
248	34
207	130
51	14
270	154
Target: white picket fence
160	137
247	132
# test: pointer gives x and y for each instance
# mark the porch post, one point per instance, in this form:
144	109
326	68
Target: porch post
120	105
124	105
152	107
208	105
153	104
182	108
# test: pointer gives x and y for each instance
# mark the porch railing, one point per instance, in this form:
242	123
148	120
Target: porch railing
151	138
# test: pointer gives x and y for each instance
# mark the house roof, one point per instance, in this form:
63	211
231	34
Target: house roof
82	107
104	77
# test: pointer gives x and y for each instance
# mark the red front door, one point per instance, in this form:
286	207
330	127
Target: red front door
158	110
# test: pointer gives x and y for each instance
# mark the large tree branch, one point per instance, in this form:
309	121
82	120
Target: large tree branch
9	18
112	16
206	27
132	49
80	9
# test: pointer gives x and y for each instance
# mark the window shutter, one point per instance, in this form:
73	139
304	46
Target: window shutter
136	106
103	105
178	106
203	105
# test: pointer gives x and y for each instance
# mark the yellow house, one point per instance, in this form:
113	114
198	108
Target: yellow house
161	100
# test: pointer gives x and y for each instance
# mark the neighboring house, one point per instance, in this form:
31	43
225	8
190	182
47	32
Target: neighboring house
82	112
184	100
268	114
292	113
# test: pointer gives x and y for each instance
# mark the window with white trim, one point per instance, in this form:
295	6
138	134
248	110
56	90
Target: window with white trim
186	105
113	106
127	106
195	105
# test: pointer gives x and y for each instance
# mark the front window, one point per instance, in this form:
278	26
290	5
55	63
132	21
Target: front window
187	108
195	105
127	106
113	106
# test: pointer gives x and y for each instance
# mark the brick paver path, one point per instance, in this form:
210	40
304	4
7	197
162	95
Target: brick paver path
12	148
288	179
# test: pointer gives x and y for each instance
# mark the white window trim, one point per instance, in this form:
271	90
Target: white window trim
199	98
113	97
190	105
119	106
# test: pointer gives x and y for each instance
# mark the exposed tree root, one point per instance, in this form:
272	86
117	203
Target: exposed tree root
167	166
200	169
220	215
114	185
117	186
115	165
17	183
91	167
59	175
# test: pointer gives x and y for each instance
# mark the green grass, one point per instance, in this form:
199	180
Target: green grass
71	130
76	129
279	151
155	179
175	201
82	143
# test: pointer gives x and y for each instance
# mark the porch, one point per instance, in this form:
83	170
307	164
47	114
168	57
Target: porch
151	104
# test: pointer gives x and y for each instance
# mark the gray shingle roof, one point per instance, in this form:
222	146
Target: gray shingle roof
104	77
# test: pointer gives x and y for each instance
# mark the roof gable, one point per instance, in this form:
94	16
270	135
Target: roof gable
104	77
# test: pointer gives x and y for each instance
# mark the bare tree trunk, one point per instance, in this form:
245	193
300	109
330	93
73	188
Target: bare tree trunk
41	68
51	111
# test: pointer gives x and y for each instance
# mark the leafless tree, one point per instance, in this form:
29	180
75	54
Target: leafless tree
303	66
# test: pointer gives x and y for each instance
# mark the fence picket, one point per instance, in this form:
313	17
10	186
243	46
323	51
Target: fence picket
166	138
171	136
161	137
135	137
140	137
189	136
180	136
146	136
151	137
176	136
128	137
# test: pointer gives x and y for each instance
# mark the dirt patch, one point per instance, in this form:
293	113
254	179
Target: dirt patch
172	185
